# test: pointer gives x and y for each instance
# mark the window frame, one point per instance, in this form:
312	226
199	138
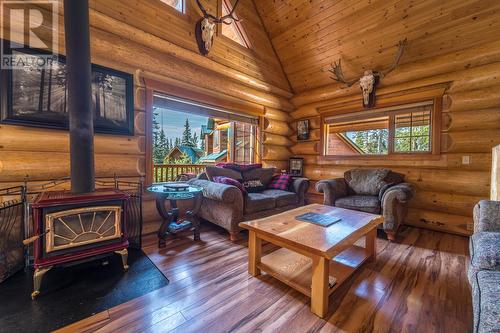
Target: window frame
239	28
435	135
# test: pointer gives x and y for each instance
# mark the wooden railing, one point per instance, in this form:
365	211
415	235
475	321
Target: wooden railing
168	172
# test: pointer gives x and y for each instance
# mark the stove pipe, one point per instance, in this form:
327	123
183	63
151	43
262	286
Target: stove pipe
78	80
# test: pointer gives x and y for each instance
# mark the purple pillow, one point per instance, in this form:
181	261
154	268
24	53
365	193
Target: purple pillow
239	167
280	182
230	181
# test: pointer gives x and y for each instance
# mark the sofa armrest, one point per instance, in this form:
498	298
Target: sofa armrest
402	192
217	191
332	189
300	186
487	216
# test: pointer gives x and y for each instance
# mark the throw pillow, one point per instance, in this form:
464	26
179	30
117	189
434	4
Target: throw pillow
213	171
280	182
254	185
264	174
230	181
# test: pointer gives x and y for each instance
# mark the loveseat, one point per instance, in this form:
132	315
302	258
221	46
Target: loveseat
484	268
226	205
376	191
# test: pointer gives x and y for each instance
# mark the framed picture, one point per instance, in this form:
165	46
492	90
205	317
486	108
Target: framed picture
35	96
296	165
303	129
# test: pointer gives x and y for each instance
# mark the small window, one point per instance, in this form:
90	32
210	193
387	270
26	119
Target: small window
177	4
233	31
403	129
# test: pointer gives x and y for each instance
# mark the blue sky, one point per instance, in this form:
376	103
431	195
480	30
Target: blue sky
173	122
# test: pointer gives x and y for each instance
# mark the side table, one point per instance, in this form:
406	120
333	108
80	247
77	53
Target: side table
170	218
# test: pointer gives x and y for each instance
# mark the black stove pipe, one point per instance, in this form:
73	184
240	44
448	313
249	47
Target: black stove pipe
78	80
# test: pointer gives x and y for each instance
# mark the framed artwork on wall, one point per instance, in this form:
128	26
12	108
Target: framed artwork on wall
296	166
37	96
303	129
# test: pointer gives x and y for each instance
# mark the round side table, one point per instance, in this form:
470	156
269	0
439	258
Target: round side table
170	223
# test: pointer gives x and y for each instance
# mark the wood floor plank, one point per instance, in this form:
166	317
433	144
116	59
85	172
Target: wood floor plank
417	284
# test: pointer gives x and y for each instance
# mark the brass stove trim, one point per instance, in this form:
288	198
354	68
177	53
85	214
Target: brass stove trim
49	223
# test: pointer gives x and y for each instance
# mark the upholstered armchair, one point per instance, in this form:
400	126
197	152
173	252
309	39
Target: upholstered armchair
377	191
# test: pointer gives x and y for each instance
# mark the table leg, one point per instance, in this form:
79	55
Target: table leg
167	218
370	245
254	253
319	286
194	217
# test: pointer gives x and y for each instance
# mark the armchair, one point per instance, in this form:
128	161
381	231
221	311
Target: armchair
376	191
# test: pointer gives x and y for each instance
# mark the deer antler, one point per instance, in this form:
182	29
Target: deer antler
338	75
401	48
221	19
204	11
230	15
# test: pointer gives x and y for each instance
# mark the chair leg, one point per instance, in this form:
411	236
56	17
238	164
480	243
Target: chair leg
234	236
391	235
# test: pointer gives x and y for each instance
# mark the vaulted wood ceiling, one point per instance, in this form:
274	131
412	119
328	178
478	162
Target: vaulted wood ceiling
309	35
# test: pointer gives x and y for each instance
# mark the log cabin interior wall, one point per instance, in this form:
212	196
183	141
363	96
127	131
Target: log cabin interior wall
453	46
150	39
451	43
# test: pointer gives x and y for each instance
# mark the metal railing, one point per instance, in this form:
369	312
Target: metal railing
169	172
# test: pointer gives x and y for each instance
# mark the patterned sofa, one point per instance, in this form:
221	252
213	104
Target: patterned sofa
376	191
226	206
484	268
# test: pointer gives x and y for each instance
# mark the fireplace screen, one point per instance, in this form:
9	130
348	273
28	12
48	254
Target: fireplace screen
82	226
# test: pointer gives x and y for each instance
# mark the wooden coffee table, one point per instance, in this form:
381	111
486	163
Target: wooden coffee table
314	260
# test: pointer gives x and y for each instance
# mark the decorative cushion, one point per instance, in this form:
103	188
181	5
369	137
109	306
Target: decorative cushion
366	181
230	181
485	296
484	252
364	203
213	171
257	202
264	174
239	167
253	186
280	182
283	198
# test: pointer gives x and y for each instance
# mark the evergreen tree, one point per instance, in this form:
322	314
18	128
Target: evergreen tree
186	135
202	143
177	142
195	140
157	153
162	145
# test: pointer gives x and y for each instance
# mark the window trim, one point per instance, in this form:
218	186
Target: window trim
435	137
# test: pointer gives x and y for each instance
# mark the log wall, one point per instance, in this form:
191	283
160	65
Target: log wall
149	38
447	189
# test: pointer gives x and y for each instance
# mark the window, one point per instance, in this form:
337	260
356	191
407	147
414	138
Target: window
244	140
177	4
233	31
396	130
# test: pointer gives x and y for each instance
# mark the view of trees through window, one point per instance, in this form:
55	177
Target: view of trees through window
410	132
177	4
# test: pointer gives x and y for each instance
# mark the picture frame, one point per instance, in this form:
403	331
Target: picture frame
38	97
296	166
303	129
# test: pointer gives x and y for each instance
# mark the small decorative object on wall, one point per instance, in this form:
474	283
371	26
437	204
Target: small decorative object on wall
296	166
303	129
370	79
37	96
205	27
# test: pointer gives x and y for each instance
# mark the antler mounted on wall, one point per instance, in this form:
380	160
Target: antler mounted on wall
368	82
205	27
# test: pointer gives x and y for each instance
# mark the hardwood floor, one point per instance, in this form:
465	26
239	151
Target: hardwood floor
416	285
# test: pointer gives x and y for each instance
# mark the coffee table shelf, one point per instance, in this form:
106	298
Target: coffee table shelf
294	269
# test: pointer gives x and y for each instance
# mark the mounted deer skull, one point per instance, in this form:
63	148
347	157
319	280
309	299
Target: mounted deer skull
205	27
370	79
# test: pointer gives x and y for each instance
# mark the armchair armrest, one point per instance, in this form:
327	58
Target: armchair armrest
218	191
402	192
487	216
300	186
332	189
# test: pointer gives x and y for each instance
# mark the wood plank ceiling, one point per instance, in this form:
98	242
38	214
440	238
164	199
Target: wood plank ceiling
309	35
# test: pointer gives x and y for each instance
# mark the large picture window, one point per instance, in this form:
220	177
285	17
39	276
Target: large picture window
406	129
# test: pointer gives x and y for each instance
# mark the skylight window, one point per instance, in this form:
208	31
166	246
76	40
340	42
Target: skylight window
234	30
177	4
